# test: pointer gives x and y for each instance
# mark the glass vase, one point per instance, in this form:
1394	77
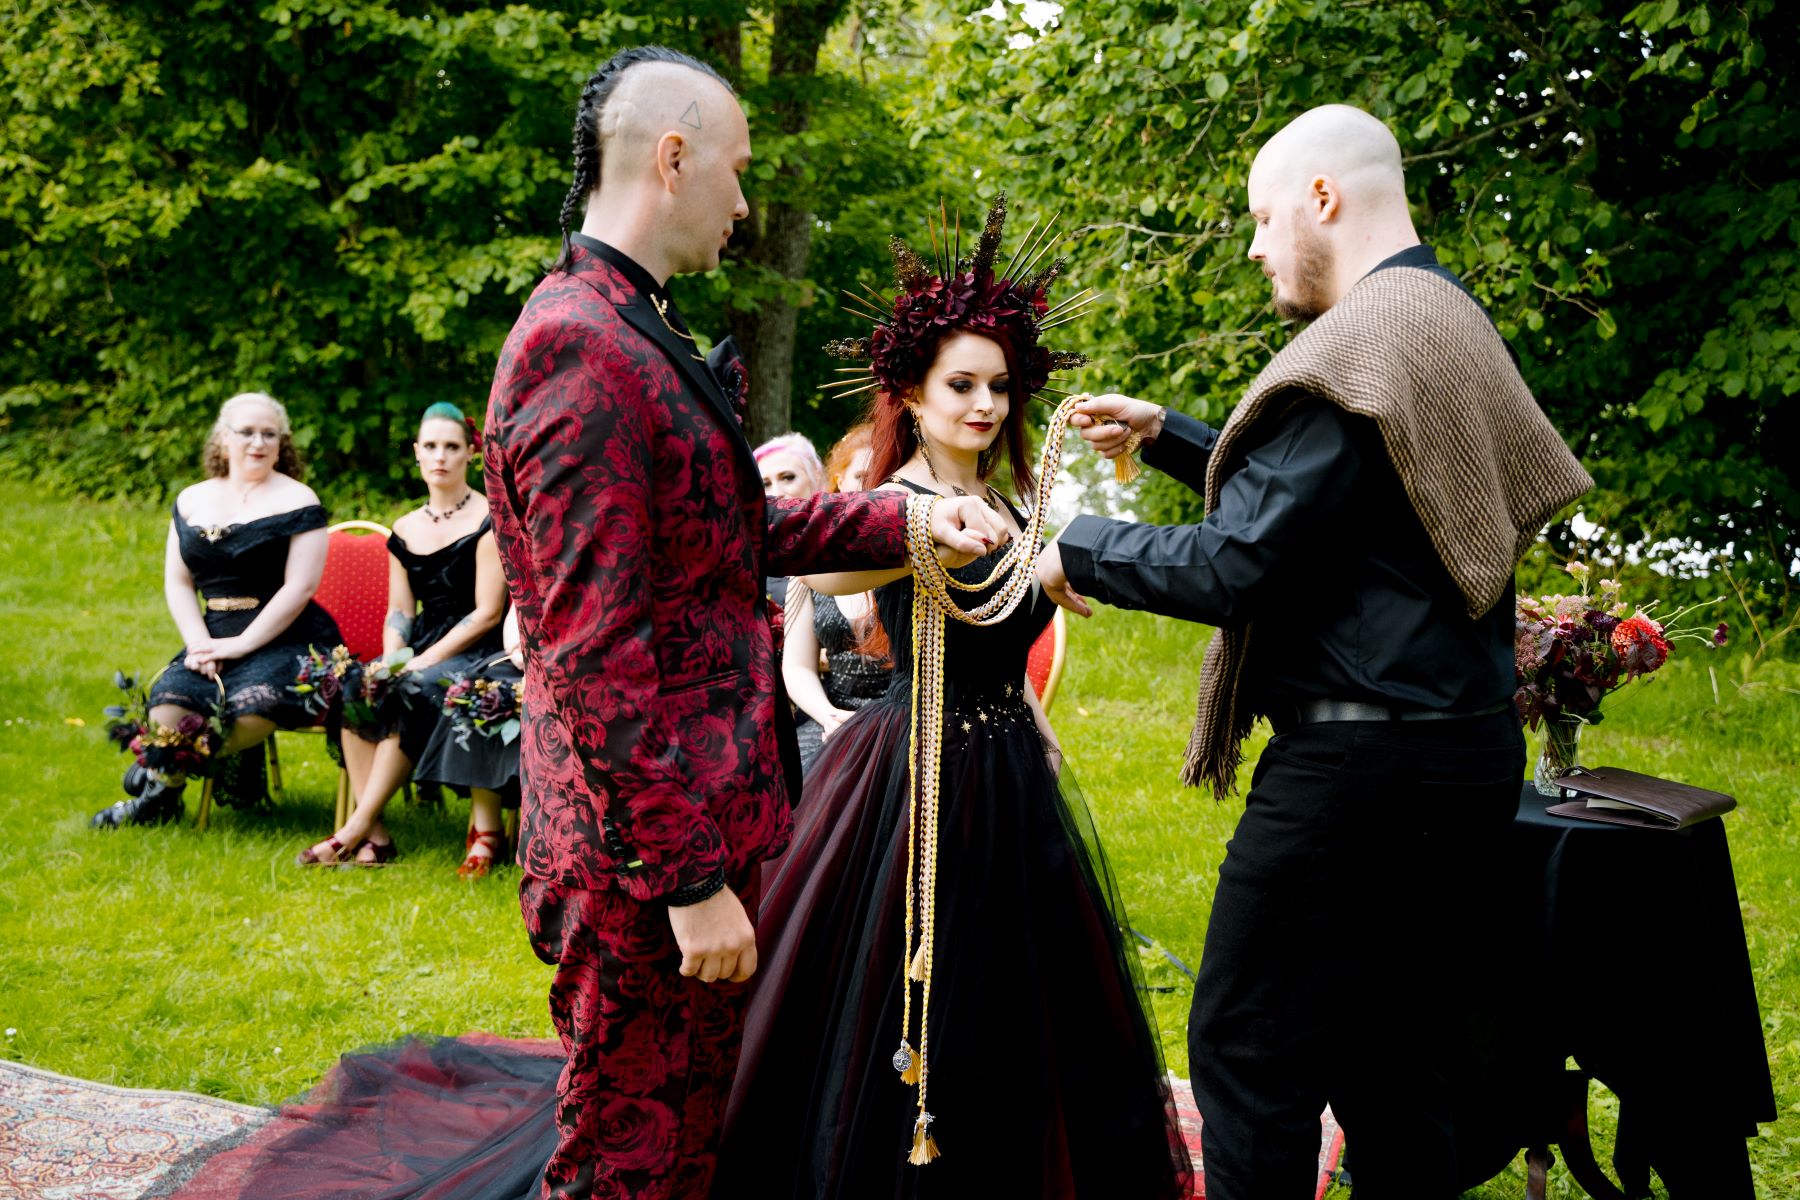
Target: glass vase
1562	745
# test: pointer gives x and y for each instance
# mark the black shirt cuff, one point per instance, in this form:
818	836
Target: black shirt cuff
1183	449
1078	543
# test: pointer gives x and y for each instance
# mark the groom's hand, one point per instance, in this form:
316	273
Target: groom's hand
965	529
1139	417
716	938
1055	583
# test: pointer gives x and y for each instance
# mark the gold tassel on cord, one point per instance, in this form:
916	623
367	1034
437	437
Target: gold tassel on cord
1125	467
924	1147
913	1072
917	970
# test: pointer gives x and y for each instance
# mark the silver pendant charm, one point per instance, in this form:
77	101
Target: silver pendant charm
903	1057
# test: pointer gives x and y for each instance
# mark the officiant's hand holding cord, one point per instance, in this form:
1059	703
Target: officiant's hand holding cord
1109	423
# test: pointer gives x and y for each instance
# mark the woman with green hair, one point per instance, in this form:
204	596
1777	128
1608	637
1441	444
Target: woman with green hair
446	599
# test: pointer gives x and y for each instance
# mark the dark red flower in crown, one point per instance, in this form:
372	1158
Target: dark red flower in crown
1010	301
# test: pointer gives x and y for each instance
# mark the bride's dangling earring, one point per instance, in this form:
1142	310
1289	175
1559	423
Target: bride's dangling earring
924	446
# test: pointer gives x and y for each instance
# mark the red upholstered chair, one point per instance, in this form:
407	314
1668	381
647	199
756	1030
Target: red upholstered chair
353	590
1044	664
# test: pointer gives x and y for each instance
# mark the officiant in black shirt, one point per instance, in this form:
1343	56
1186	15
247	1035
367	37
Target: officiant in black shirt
1366	504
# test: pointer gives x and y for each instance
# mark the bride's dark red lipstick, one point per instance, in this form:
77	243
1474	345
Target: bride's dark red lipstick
983	426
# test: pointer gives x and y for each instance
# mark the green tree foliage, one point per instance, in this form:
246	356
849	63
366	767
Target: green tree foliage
345	202
341	203
1619	186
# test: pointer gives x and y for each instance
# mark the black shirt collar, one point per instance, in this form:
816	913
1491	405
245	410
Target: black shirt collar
1420	256
640	279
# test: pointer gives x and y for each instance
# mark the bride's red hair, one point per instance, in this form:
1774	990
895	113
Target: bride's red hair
893	440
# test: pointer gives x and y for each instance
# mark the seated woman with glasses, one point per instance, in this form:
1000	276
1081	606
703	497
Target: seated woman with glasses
245	553
446	597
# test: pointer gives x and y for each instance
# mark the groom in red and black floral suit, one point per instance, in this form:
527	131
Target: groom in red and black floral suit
657	746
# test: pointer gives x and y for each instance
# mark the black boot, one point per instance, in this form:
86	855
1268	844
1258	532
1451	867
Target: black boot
158	803
136	779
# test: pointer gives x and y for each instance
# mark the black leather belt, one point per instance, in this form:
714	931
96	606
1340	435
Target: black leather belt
1312	712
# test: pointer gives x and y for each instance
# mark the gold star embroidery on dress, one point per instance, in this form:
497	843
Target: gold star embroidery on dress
967	727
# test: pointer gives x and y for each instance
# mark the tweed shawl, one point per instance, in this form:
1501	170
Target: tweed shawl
1481	464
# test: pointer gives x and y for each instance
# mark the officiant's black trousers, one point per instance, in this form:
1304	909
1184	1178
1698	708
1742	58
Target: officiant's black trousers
1359	897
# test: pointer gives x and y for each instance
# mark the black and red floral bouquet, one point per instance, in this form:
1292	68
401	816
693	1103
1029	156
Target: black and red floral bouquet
191	748
1569	652
489	707
324	677
363	696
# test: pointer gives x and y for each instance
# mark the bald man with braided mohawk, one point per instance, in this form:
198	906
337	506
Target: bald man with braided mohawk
1366	504
658	757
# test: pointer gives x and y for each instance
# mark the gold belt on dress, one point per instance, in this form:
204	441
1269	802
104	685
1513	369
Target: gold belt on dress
231	603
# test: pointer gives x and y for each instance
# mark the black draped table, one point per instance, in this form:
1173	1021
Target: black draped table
1634	964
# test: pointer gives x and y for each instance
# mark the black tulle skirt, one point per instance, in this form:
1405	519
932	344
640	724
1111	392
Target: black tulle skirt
1046	1073
427	1119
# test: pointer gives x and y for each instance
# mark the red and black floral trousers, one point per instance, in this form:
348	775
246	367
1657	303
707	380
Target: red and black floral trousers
651	1053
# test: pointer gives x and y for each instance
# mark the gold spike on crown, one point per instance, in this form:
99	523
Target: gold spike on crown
957	292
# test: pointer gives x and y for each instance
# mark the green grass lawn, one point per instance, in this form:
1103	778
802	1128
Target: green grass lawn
167	958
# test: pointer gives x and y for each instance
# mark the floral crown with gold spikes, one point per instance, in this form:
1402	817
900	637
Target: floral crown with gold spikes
964	293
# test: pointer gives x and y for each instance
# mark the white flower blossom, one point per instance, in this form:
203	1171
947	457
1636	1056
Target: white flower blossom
1039	15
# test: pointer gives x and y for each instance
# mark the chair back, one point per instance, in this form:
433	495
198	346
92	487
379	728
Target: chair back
1044	663
354	588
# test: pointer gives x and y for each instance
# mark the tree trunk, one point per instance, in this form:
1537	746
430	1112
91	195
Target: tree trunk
780	233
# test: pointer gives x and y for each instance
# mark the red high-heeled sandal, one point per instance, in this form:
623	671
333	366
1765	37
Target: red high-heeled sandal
475	866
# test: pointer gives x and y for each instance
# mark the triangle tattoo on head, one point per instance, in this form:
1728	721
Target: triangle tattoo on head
690	116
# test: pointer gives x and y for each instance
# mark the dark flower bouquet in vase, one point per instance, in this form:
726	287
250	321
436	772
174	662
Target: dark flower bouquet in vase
191	748
489	707
1570	652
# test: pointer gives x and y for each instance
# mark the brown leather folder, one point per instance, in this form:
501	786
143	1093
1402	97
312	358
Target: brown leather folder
1622	797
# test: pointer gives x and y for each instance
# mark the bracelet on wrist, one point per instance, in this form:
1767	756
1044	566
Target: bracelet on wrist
704	888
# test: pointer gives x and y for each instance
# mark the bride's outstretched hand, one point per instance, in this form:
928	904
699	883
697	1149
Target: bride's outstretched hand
1110	422
965	529
1055	583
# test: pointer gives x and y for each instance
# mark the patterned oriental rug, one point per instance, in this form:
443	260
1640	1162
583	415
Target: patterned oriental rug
68	1139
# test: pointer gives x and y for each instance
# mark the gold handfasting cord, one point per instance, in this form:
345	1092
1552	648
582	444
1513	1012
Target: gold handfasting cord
932	602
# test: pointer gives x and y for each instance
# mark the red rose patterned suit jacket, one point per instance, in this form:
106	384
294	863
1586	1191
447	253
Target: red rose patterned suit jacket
634	536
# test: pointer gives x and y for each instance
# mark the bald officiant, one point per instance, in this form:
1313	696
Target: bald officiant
1366	503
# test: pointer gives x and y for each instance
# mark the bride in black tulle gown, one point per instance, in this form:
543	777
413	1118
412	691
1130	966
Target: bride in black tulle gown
1046	1076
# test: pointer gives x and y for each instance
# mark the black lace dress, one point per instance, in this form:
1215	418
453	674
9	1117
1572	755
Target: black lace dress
443	582
247	560
1046	1073
853	679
